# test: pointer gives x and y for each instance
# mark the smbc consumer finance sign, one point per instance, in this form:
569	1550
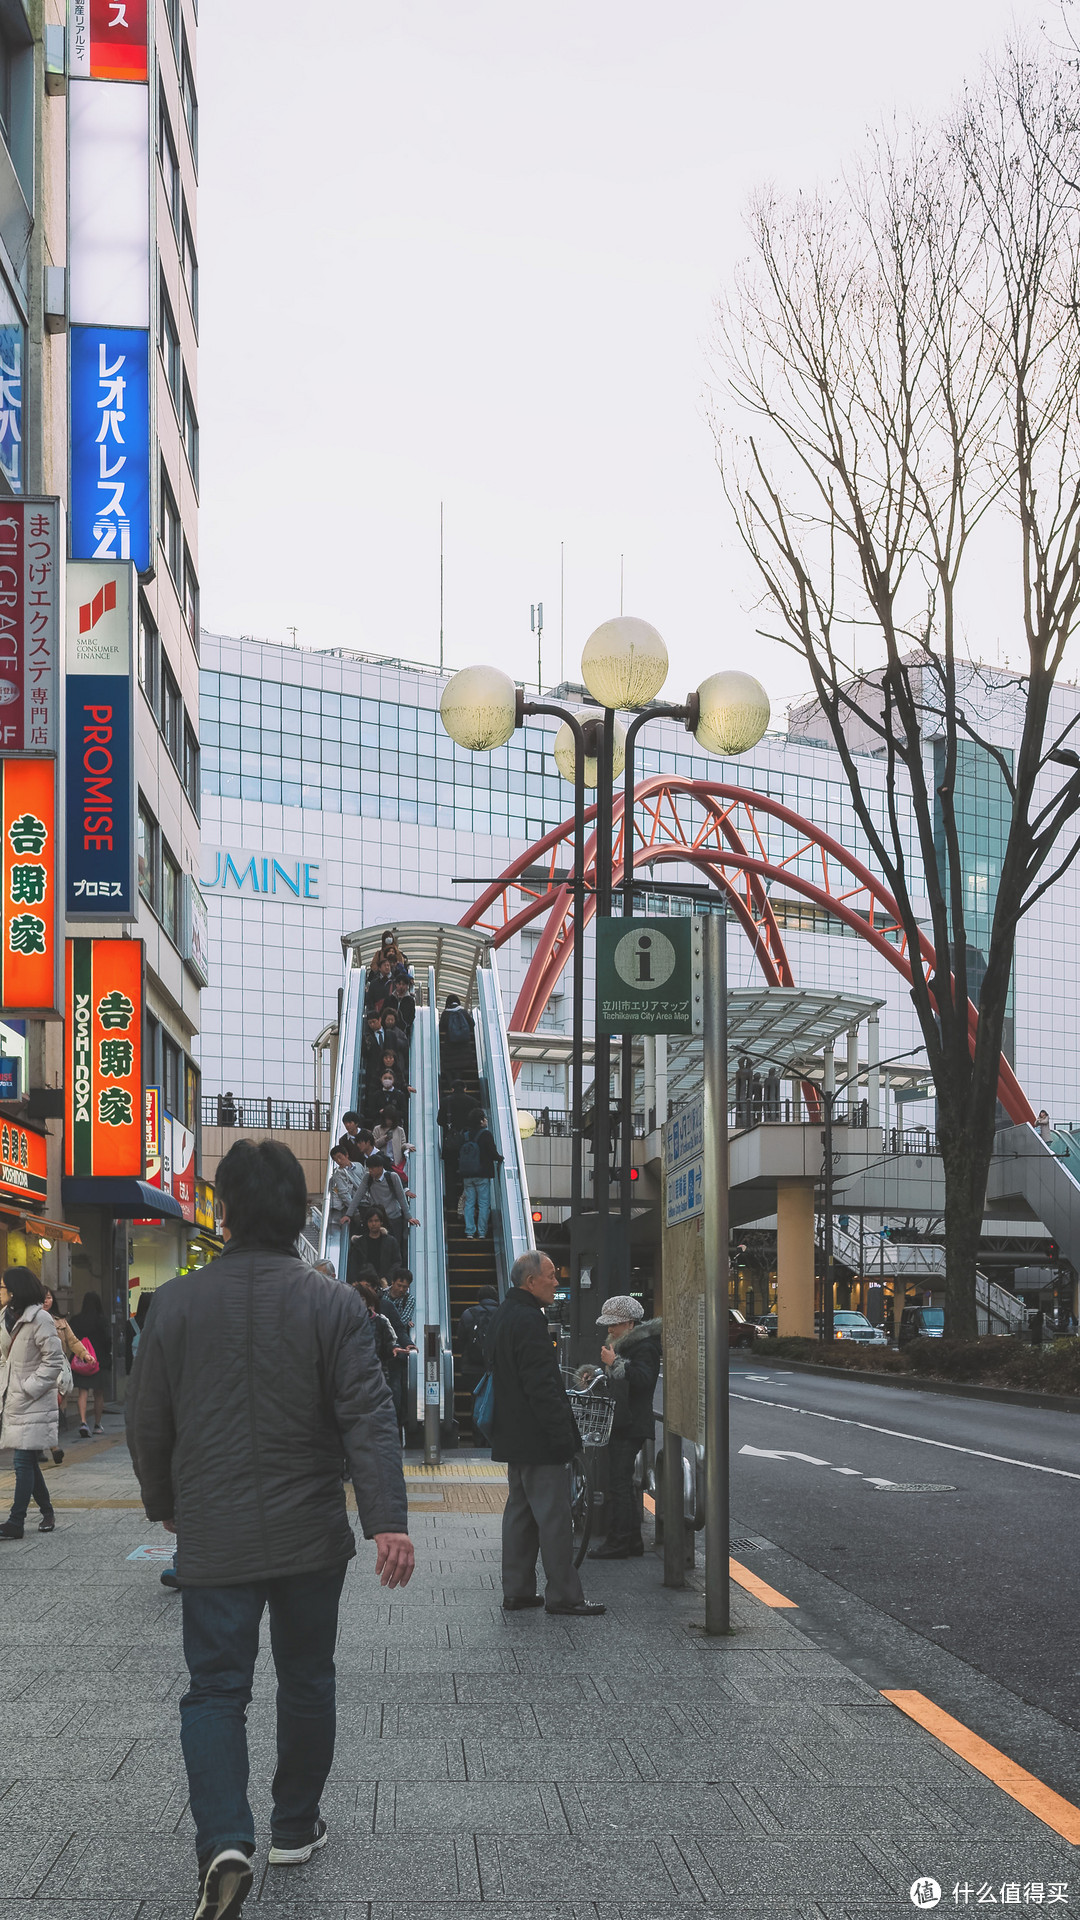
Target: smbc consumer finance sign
645	975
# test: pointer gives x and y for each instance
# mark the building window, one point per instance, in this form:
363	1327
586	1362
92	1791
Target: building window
191	767
190	266
172	15
171	536
148	657
171	1074
169	344
148	855
191	600
191	104
170	896
191	434
171	714
170	166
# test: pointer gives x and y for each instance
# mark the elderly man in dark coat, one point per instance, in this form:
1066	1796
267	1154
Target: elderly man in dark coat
250	1479
533	1429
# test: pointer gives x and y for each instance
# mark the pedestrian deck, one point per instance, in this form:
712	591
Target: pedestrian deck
624	1768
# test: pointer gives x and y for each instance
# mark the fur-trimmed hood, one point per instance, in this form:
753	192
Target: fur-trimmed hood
635	1337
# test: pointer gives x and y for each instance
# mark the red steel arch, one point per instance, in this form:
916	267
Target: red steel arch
725	832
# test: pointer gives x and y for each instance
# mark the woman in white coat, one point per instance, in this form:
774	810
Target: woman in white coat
31	1363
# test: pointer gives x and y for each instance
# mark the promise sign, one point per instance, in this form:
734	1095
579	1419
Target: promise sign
104	1121
28	870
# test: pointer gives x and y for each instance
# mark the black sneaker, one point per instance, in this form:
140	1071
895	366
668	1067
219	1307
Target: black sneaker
47	1523
170	1578
283	1855
225	1885
11	1530
84	1431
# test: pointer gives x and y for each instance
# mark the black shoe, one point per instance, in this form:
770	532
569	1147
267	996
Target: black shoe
84	1431
516	1606
584	1610
58	1455
618	1550
170	1578
11	1530
225	1885
47	1523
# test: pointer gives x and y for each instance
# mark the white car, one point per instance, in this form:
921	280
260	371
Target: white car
848	1325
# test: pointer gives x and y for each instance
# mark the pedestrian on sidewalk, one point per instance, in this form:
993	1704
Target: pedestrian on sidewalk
31	1362
474	1347
533	1429
250	1481
89	1325
73	1350
631	1357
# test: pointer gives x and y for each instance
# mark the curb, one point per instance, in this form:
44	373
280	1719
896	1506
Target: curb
923	1383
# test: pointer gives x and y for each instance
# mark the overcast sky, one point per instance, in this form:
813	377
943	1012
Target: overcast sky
467	252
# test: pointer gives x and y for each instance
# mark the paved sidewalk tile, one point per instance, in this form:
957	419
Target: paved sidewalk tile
516	1766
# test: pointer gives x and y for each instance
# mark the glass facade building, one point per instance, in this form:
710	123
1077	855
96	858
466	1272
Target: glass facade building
328	777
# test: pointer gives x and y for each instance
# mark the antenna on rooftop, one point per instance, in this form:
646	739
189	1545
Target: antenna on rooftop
536	625
292	630
562	611
440	586
622	558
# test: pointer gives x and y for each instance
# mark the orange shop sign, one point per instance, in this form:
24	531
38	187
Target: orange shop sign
22	1164
104	1120
28	870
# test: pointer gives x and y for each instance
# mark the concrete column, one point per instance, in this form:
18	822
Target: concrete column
649	1043
795	1257
661	1079
873	1076
852	1070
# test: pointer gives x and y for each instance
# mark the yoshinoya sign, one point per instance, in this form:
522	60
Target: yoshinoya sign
22	1164
261	876
100	748
104	1117
30	560
29	869
646	972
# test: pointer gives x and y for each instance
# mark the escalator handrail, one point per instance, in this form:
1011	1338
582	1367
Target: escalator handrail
334	1245
431	1279
515	1235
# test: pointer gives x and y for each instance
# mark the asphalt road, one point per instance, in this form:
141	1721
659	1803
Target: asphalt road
984	1574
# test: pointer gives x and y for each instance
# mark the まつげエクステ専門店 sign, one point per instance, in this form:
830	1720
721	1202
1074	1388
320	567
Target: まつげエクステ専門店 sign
104	1119
29	970
645	975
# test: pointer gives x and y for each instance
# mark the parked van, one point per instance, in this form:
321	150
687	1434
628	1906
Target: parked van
922	1323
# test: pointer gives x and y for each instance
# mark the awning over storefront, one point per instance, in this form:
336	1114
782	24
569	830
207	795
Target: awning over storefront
125	1199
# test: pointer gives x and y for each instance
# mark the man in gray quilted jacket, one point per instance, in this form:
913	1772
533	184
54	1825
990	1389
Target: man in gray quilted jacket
255	1389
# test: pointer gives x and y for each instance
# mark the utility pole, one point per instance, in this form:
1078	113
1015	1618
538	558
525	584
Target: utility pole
536	625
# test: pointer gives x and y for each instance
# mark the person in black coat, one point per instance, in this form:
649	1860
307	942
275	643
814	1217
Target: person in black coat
631	1356
456	1036
89	1324
474	1344
249	1478
533	1429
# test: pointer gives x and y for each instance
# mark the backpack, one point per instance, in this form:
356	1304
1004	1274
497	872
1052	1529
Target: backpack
483	1406
458	1027
474	1350
86	1366
469	1157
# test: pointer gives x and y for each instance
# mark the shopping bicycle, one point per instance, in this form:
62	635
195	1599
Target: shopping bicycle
593	1402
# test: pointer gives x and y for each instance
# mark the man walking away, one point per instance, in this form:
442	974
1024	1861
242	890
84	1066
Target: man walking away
533	1429
250	1481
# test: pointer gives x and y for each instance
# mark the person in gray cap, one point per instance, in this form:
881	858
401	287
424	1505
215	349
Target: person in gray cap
631	1357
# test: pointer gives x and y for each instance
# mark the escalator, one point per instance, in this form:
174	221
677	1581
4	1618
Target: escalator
448	1270
1044	1177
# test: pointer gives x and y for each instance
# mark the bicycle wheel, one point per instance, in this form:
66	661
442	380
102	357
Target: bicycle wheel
581	1497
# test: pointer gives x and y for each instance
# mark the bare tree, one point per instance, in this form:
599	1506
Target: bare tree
901	381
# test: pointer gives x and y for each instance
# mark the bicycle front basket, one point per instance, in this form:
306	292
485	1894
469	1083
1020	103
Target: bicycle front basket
594	1411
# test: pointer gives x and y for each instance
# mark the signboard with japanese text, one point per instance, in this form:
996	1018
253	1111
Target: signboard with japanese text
105	1117
110	445
30	561
204	1206
107	39
23	1166
10	1072
684	1163
100	746
153	1107
29	868
183	1168
644	972
196	947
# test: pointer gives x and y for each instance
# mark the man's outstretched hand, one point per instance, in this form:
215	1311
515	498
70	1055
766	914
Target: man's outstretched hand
396	1559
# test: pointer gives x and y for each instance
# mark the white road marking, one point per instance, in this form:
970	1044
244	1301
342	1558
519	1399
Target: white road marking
767	1453
853	1470
950	1446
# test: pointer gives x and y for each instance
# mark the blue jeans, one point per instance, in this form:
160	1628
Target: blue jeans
29	1484
221	1644
477	1204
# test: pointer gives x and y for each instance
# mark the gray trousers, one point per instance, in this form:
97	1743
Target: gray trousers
536	1519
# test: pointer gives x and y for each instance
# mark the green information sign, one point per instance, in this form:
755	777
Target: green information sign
645	975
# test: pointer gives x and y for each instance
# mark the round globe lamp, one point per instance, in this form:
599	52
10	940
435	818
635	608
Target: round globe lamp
624	663
526	1124
565	749
479	708
734	713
